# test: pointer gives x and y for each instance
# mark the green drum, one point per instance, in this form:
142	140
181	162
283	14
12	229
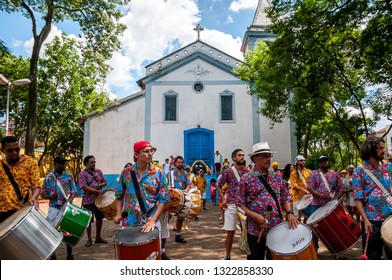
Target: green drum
73	222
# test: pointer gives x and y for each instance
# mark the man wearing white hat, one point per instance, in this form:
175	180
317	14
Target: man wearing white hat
299	180
263	196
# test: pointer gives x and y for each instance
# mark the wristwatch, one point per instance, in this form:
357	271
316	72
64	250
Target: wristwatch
289	212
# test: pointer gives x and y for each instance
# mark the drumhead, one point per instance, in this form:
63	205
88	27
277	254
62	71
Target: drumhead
13	220
285	241
133	236
322	212
305	201
106	199
386	231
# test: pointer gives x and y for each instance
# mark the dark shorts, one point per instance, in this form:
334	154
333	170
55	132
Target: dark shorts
96	212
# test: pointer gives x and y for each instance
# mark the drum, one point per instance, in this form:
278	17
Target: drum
192	204
27	235
133	244
73	222
386	232
291	244
107	204
177	200
336	229
304	204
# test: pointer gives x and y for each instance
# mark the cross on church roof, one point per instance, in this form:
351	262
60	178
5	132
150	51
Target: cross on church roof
198	29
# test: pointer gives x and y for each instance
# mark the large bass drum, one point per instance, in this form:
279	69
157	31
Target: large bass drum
27	235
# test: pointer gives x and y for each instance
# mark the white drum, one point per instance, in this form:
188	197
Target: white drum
304	204
291	244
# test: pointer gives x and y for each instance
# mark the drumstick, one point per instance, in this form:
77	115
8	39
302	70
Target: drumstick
269	208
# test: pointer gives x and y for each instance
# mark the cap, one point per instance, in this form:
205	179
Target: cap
299	157
60	159
322	158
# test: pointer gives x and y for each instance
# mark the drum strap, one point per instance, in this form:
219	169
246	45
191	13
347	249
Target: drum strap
139	197
15	185
378	183
325	183
59	185
271	192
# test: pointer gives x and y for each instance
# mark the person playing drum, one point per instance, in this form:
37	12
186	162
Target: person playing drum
150	180
299	179
262	195
24	171
372	186
231	176
59	187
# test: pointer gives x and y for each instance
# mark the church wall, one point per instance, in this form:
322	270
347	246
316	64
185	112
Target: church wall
112	134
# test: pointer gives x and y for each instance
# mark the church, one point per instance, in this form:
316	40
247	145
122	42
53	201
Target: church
190	104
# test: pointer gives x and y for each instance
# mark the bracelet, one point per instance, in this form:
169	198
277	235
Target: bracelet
289	212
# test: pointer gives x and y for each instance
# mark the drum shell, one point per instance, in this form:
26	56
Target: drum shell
291	238
109	210
336	229
177	200
386	232
192	204
143	249
305	204
73	220
31	238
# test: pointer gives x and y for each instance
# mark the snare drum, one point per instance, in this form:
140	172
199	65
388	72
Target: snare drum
291	244
107	204
133	244
386	232
73	222
177	200
27	235
336	229
304	204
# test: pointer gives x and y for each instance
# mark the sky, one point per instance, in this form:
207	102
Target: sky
155	28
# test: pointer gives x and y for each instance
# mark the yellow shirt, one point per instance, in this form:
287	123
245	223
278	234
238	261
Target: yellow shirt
201	183
296	180
26	175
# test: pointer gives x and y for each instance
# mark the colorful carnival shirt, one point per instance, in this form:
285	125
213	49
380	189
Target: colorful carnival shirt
26	175
51	187
92	180
296	181
153	189
201	183
253	195
228	177
316	183
376	206
181	180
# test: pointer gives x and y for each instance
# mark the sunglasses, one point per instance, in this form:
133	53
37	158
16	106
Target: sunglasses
148	151
12	150
301	160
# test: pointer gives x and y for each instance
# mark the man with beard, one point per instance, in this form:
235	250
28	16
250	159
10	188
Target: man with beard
179	179
24	171
299	180
372	185
231	177
92	181
262	195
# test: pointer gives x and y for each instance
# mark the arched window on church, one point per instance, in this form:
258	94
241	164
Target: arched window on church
170	106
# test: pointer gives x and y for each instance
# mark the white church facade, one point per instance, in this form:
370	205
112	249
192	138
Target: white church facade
190	104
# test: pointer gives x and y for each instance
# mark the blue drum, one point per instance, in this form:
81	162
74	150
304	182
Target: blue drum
305	204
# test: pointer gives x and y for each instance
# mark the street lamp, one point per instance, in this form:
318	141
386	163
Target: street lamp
5	82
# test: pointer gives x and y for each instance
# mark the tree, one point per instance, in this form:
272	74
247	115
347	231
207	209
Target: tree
68	80
314	68
99	24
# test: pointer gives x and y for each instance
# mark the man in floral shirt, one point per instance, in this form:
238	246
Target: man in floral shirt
255	200
56	179
91	181
153	189
373	204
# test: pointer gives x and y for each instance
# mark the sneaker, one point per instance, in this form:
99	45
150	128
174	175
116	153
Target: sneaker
165	257
180	239
70	257
238	227
220	218
227	258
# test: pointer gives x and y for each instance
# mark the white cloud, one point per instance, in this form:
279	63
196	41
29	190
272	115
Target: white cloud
238	5
229	19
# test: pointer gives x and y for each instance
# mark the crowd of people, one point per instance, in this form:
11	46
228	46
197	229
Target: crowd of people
262	193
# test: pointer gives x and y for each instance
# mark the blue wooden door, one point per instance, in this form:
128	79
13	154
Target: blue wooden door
199	145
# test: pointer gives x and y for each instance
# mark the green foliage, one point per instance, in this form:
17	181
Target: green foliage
67	93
